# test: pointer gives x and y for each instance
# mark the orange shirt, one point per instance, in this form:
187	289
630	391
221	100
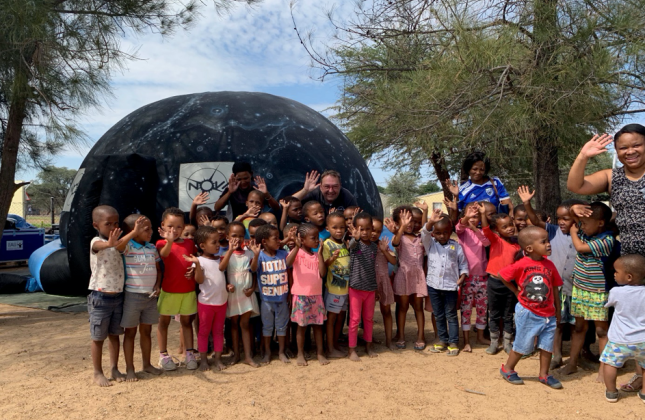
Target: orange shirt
502	253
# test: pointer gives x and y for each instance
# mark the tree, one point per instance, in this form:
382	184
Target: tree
380	189
56	60
428	188
526	81
402	188
52	182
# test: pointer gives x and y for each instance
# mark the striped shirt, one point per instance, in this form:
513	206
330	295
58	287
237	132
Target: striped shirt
588	271
140	263
362	263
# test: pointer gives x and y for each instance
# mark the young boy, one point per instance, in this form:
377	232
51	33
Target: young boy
270	263
349	213
315	214
254	205
177	291
253	227
520	217
336	256
447	270
105	301
291	211
627	330
534	281
142	285
269	218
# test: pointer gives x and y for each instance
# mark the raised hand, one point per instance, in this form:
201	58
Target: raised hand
481	208
406	219
253	211
422	205
435	216
298	241
384	245
191	258
356	211
113	239
390	225
472	211
451	204
453	187
285	204
597	145
292	234
201	198
311	181
525	194
254	246
233	184
261	184
233	243
167	235
138	225
581	210
203	220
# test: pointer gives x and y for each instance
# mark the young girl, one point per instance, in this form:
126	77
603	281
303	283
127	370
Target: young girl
213	295
501	301
383	279
308	306
473	290
409	281
589	296
242	303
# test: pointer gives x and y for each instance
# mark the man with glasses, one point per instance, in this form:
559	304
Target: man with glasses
329	192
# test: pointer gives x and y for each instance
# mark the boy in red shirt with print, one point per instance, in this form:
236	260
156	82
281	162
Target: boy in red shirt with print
535	281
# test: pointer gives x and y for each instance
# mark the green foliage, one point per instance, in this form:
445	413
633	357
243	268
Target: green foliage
402	188
51	182
428	187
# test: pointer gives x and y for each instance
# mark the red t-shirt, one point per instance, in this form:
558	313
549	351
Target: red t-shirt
537	282
175	266
502	253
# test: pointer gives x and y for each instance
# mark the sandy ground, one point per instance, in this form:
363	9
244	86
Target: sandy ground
45	372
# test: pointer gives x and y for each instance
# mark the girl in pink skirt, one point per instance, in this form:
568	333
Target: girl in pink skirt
409	281
385	293
308	306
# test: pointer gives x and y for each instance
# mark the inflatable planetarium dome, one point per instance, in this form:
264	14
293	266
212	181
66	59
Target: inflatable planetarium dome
167	152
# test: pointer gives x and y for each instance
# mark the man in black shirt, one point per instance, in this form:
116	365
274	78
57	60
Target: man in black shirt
240	184
329	192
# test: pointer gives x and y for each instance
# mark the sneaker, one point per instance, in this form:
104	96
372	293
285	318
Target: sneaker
511	376
191	361
166	362
612	397
641	396
551	382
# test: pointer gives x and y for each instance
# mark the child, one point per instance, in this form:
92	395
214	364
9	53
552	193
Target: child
447	270
336	257
627	330
242	303
534	280
253	226
589	296
473	290
314	213
383	279
220	223
271	266
254	205
362	283
177	291
501	300
289	240
269	218
189	232
291	211
563	257
349	213
142	286
308	306
213	295
520	218
409	281
105	301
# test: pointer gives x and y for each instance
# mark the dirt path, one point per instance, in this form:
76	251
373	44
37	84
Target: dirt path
45	372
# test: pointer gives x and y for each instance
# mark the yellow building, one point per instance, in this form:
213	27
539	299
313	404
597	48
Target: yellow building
19	202
434	201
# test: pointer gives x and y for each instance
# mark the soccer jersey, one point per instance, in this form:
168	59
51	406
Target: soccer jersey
469	192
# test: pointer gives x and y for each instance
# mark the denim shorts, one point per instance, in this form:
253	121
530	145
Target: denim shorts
274	314
528	326
336	303
139	308
105	311
616	354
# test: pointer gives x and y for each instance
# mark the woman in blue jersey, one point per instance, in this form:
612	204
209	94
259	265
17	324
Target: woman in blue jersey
479	186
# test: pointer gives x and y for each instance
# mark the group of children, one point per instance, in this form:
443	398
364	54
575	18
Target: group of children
524	277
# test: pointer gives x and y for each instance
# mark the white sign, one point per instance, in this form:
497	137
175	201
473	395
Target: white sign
72	191
14	245
199	177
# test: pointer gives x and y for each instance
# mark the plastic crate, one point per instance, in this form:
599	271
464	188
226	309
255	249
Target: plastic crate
18	244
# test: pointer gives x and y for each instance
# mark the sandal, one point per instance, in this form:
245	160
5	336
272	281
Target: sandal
400	345
453	351
629	386
419	345
437	348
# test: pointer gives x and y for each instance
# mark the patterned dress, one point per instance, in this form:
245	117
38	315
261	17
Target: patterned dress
410	278
628	199
239	275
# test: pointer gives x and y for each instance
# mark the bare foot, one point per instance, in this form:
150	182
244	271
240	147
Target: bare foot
218	365
130	376
336	354
101	380
251	362
468	349
301	361
203	364
284	358
353	356
371	353
569	369
266	359
555	363
117	376
152	370
322	360
391	346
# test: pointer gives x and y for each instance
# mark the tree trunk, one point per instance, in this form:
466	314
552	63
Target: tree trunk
546	174
10	148
439	165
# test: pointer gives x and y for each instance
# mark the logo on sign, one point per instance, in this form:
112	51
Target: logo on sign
14	245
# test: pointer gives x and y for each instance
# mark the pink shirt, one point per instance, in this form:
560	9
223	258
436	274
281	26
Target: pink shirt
474	244
306	275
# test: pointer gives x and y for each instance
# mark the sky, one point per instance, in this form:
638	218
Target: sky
249	49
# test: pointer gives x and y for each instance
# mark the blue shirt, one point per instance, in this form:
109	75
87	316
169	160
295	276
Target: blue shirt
445	262
323	235
469	192
273	279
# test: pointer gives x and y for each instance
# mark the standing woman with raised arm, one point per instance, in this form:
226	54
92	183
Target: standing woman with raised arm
626	186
